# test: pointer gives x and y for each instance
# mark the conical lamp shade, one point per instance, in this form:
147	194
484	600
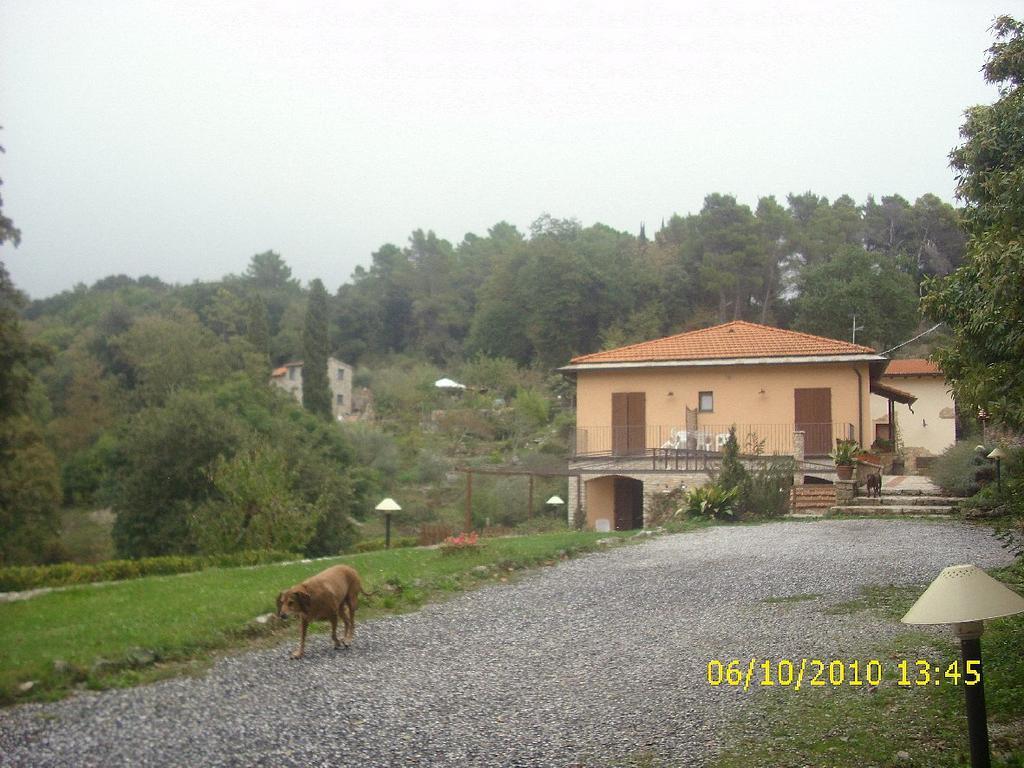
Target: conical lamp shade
963	593
388	505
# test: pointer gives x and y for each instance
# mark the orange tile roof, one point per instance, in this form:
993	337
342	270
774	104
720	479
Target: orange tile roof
279	372
912	367
737	339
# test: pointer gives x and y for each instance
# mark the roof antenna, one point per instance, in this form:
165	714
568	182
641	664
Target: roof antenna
856	328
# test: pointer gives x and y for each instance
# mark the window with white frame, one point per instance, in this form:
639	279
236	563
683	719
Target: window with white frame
706	402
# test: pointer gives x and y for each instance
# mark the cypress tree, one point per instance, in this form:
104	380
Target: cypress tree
316	390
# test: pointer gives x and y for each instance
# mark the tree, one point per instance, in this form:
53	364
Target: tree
8	232
29	479
164	353
29	494
161	472
940	239
856	282
267	271
254	505
774	233
732	262
256	329
316	390
983	300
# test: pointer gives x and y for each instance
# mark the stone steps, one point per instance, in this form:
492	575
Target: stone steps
903	510
812	500
906	500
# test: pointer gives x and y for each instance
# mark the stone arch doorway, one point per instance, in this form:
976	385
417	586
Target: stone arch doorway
629	503
614	503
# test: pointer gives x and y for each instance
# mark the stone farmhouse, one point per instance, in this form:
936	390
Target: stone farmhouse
289	378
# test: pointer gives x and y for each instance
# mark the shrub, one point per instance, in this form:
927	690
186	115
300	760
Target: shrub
255	507
846	453
763	492
712	501
17	578
531	408
962	469
498	375
766	490
373	448
397	542
666	506
733	474
464	542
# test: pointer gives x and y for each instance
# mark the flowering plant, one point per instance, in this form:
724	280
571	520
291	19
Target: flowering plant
464	542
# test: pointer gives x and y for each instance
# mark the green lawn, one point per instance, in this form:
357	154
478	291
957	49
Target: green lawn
183	618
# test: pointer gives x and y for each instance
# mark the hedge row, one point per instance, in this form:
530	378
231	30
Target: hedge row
20	577
397	542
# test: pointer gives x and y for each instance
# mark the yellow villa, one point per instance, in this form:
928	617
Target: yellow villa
653	415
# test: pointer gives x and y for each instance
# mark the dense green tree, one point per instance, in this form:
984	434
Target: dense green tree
499	325
440	310
774	239
164	353
855	282
253	505
256	329
983	300
316	390
731	259
940	239
267	271
160	472
29	479
29	494
888	225
822	230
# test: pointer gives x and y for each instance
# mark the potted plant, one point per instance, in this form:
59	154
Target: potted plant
845	456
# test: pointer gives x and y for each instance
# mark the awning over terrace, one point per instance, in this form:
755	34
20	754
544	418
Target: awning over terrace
891	393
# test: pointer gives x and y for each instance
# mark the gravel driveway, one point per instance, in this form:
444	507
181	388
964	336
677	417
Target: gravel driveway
588	662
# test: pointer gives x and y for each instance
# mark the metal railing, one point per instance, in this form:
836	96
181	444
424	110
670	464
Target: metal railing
662	440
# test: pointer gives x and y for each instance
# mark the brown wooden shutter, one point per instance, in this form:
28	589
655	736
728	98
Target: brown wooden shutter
813	417
629	423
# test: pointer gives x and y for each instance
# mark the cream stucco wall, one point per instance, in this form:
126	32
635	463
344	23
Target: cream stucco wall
743	395
932	425
600	502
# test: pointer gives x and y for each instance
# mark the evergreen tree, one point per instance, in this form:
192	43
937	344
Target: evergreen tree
316	390
257	331
983	300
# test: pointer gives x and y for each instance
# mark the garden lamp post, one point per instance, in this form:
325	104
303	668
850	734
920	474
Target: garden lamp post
998	455
388	506
964	596
556	502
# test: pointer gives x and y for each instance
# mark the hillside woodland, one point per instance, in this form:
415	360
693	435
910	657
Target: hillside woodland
152	399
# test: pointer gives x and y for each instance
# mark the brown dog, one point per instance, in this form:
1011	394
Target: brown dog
874	484
328	595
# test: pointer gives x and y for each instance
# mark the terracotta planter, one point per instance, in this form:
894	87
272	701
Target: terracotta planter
844	471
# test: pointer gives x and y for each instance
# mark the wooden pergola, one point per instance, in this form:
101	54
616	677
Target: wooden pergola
531	473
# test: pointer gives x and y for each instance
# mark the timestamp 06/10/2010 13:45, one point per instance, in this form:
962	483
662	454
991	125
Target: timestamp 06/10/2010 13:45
820	673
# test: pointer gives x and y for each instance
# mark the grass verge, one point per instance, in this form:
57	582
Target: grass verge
137	631
891	725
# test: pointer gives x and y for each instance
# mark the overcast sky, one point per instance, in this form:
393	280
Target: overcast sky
178	138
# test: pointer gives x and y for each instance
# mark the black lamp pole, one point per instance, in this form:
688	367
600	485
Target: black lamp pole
977	723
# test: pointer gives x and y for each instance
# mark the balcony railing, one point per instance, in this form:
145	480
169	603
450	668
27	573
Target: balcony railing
753	439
